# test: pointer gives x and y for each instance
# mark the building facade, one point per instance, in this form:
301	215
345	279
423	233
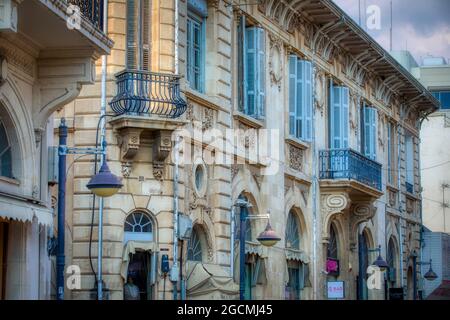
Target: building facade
40	72
286	105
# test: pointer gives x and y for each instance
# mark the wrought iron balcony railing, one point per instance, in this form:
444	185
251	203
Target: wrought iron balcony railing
145	93
348	164
92	10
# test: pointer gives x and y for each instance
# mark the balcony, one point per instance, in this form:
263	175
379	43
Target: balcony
146	94
350	169
91	10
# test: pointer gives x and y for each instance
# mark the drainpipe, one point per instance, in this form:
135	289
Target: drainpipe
103	157
314	181
174	271
399	227
233	236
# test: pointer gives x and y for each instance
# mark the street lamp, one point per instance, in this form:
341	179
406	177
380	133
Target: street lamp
103	184
379	262
430	275
267	238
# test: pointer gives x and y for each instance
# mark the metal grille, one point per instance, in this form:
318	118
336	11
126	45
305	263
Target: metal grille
92	10
144	93
351	165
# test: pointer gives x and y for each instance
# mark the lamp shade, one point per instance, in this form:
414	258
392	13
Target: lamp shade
104	184
430	275
268	238
380	263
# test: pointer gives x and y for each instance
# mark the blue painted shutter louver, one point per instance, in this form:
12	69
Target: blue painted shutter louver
300	98
370	133
255	71
339	114
292	95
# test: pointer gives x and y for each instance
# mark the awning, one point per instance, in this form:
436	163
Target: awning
256	249
209	281
24	211
296	255
132	247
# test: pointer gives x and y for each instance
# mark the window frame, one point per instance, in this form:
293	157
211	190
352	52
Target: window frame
339	114
437	94
193	17
369	125
147	236
196	235
6	150
142	46
300	110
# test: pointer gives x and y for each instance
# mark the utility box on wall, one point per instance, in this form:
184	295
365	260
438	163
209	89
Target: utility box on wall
184	227
8	16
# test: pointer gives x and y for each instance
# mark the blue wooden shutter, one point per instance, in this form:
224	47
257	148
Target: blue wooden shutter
345	115
261	74
308	107
339	117
255	71
370	132
242	65
189	50
251	48
335	118
132	35
300	117
292	95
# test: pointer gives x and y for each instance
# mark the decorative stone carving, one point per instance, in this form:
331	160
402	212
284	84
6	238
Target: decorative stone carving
208	119
392	198
359	212
234	171
275	60
3	70
190	112
332	204
129	142
320	84
410	205
381	129
126	169
258	179
353	116
162	145
295	158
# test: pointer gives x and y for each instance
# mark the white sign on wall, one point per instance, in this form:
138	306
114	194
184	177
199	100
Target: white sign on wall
335	289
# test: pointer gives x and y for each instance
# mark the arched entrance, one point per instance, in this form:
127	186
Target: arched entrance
363	258
410	284
139	257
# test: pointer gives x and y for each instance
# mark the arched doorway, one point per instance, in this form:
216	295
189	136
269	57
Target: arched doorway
295	267
141	269
392	260
332	260
410	284
363	258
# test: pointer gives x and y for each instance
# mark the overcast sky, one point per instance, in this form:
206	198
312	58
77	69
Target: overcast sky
421	26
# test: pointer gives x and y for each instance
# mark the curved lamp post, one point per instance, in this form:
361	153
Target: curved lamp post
380	262
267	238
103	184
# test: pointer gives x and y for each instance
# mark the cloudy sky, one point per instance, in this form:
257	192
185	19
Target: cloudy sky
421	26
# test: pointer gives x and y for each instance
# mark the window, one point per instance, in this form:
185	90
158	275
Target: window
296	282
138	34
300	98
443	97
292	232
195	50
332	249
138	227
5	154
339	117
391	261
252	60
391	152
199	177
369	132
409	154
195	250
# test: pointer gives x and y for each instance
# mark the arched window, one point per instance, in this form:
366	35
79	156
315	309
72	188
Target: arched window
332	250
5	154
195	247
138	227
292	232
391	260
248	222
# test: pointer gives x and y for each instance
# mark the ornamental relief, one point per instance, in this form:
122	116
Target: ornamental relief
275	60
320	93
353	110
295	158
381	129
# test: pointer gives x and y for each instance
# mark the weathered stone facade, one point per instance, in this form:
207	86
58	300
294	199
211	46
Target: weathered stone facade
140	150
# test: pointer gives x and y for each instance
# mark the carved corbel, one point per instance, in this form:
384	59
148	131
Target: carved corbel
359	213
129	140
3	70
162	146
331	205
